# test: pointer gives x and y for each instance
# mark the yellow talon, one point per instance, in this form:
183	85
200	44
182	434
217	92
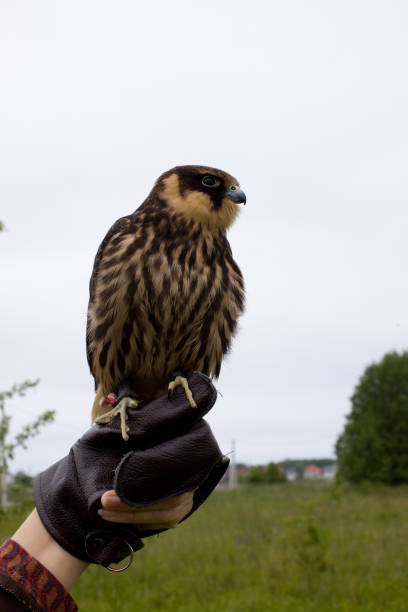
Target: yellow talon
182	381
120	408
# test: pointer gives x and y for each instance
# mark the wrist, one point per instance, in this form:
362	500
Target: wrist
36	540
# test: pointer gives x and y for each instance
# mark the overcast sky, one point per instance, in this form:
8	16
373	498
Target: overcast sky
304	102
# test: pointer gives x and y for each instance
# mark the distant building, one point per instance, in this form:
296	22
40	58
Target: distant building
312	472
291	475
308	472
329	471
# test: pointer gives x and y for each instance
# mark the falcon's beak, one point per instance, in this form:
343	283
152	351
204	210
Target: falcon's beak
236	195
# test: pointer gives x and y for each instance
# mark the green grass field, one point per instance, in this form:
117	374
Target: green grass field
295	547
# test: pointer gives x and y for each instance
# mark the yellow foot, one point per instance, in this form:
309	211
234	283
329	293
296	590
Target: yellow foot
180	380
120	408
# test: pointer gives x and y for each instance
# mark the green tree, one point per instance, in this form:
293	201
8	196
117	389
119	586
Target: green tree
8	448
374	443
23	479
266	474
274	473
257	474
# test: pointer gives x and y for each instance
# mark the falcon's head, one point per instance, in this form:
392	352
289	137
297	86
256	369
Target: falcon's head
204	195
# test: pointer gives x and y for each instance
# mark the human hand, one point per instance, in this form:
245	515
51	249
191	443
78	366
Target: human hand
164	515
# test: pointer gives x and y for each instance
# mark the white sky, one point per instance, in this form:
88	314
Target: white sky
305	102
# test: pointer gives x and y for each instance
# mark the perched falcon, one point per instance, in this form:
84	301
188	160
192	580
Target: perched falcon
165	292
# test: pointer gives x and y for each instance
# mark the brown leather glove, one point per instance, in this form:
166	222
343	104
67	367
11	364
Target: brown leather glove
171	450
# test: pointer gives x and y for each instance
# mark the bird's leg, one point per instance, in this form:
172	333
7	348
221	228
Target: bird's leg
120	407
181	380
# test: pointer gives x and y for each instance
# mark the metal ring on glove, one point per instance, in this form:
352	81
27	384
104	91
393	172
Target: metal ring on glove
128	564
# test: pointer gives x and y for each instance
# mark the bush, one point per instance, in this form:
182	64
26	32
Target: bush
266	474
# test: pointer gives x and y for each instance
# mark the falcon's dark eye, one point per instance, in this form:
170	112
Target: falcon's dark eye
210	181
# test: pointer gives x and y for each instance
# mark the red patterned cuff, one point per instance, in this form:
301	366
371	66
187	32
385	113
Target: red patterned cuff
35	579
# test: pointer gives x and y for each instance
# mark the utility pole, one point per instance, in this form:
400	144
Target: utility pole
232	474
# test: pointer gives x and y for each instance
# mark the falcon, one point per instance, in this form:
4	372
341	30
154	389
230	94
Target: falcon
165	291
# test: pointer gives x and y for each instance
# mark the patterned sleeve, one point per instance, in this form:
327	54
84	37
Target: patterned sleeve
25	584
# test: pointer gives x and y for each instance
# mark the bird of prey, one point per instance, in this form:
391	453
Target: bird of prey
165	292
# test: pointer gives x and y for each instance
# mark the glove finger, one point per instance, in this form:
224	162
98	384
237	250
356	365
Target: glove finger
147	477
158	420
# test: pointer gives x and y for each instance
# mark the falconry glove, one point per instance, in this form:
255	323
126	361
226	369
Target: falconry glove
171	450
